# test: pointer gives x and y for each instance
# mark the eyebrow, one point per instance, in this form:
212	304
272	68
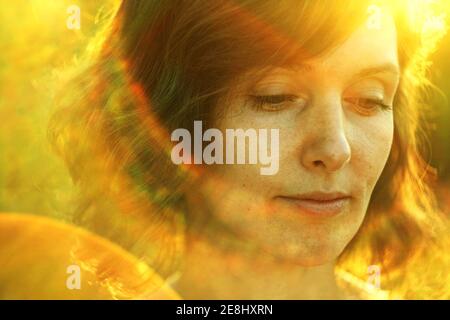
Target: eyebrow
385	68
366	72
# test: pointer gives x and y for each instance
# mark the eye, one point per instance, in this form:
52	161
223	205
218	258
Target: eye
274	103
368	106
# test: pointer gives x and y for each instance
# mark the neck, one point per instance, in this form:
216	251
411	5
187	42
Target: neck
212	272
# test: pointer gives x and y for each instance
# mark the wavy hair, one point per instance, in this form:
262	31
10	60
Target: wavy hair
163	64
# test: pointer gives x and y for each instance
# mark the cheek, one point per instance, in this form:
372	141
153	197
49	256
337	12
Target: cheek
246	178
371	146
238	193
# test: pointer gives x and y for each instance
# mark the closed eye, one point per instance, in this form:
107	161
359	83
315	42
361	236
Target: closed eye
368	105
275	102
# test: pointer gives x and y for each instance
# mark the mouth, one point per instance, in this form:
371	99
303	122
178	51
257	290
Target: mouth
318	204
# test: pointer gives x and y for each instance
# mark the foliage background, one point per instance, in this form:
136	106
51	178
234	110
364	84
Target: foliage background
35	44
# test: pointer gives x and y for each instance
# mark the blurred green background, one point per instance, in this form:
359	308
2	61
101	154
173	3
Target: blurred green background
35	44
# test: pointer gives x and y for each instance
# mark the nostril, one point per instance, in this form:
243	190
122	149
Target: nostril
317	163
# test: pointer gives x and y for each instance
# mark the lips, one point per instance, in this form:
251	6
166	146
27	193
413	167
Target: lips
318	203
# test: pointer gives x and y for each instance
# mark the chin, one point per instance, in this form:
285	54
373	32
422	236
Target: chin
312	255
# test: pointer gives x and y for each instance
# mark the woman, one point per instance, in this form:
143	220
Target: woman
343	85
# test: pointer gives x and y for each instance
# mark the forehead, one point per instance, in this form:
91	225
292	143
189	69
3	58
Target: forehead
367	48
365	52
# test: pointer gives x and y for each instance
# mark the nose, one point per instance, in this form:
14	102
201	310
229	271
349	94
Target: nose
326	147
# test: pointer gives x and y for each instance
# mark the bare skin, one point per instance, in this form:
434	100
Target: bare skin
329	142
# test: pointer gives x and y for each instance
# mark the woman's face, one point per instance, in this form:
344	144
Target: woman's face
335	134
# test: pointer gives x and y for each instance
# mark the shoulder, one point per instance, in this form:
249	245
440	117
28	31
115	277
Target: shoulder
42	258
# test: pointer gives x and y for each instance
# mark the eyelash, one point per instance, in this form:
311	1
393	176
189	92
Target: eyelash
276	101
375	104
